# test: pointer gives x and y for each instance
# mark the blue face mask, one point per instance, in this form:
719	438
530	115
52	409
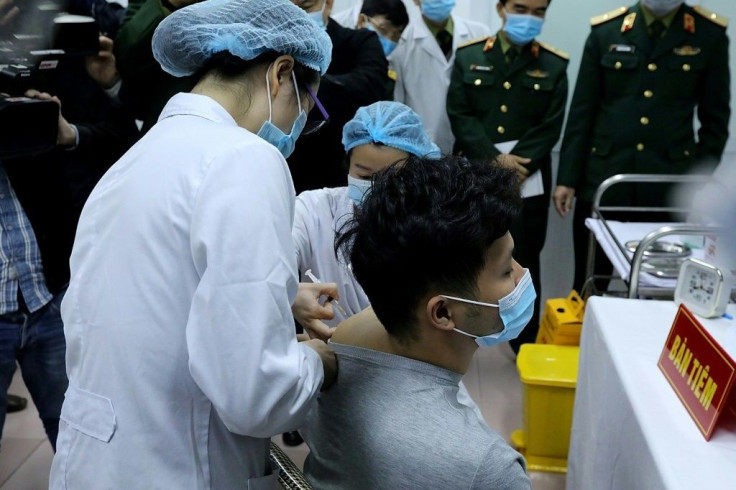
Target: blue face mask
522	29
317	16
515	310
358	189
283	142
437	10
387	44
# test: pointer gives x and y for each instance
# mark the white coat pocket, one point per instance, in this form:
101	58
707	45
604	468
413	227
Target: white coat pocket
89	413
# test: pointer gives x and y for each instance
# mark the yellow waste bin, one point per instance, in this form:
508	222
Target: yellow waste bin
549	374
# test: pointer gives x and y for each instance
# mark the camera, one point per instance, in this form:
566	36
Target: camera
42	37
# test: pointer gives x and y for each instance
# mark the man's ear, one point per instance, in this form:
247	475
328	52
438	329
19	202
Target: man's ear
328	9
280	72
440	314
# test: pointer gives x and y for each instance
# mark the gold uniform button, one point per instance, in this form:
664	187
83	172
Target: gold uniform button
537	86
593	150
687	153
618	65
685	67
640	146
648	94
644	120
501	130
507	85
477	82
652	67
504	108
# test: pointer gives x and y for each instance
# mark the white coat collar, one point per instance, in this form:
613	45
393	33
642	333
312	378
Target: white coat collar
420	31
187	104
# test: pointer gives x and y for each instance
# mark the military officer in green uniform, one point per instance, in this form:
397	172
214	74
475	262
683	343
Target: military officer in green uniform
511	89
644	72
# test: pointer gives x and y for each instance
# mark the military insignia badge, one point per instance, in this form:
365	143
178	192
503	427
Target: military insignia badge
628	22
688	23
537	73
489	44
686	51
480	68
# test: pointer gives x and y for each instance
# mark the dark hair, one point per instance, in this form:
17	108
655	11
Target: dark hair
393	10
426	226
227	66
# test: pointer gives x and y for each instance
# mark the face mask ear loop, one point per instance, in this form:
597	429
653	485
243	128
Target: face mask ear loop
463	300
296	87
268	91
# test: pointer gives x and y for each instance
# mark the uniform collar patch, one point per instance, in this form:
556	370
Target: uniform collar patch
628	22
688	23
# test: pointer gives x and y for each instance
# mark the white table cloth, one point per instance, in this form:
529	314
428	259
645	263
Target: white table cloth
630	431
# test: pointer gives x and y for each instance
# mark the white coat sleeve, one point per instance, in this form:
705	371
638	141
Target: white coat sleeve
300	233
397	62
240	335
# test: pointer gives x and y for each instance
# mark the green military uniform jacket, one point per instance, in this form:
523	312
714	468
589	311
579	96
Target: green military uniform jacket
146	87
490	101
633	106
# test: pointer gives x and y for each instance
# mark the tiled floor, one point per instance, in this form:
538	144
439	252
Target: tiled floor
25	456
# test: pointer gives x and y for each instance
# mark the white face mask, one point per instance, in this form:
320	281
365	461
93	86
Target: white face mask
661	7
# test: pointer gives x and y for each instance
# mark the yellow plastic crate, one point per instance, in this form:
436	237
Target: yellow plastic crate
549	375
562	320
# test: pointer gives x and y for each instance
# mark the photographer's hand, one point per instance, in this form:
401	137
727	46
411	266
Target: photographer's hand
8	12
66	136
101	67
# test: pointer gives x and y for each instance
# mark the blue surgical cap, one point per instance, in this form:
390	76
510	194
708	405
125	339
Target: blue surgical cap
185	40
392	124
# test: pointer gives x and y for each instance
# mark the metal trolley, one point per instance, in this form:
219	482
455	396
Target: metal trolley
635	263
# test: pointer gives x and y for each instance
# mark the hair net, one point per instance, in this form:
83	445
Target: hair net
392	124
186	39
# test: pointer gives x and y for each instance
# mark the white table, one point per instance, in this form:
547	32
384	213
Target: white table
630	431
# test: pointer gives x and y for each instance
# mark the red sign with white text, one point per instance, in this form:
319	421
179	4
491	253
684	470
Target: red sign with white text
699	370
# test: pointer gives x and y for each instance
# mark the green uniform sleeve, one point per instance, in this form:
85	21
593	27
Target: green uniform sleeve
133	44
581	118
539	140
470	136
713	106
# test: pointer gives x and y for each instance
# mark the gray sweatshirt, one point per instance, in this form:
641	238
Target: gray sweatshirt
390	422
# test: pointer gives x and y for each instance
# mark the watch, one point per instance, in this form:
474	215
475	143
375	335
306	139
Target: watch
702	288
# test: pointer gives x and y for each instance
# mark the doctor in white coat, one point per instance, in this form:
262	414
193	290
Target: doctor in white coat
423	70
379	135
181	349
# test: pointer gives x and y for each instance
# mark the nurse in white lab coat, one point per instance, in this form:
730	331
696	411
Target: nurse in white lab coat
379	135
181	350
422	70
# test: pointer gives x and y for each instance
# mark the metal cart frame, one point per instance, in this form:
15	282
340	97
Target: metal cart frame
635	263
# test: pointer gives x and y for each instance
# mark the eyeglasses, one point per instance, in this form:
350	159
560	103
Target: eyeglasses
314	126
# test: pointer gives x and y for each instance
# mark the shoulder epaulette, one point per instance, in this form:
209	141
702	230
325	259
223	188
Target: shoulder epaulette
603	18
711	16
393	75
472	41
554	50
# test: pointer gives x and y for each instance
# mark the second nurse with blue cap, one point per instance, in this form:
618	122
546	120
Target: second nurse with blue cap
181	352
379	135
